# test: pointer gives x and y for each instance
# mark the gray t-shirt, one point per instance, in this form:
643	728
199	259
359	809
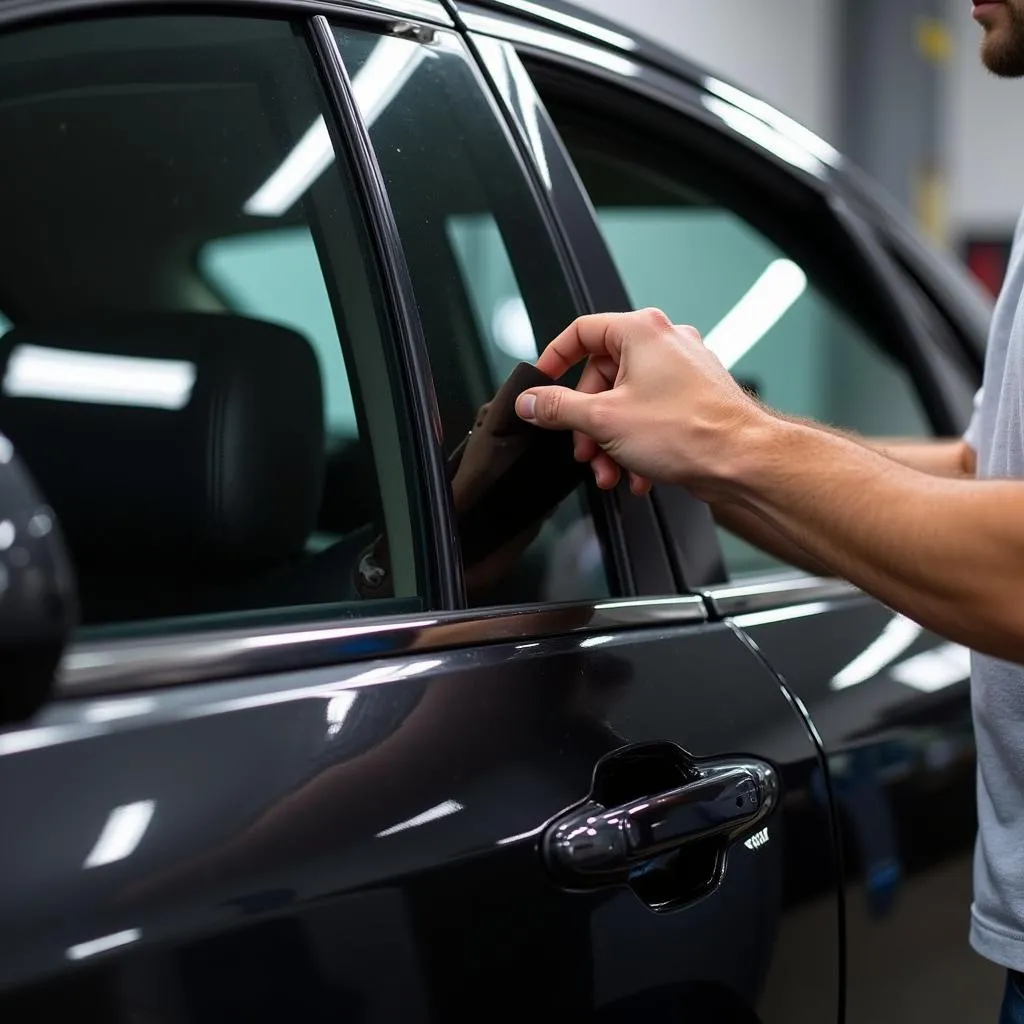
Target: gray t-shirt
996	433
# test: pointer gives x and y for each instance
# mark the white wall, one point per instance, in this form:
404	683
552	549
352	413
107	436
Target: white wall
781	49
984	136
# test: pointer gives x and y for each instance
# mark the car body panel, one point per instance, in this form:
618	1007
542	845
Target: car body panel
366	833
891	703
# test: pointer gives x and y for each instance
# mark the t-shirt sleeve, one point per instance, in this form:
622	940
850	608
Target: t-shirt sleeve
971	434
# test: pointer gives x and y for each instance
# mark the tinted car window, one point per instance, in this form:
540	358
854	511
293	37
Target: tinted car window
488	282
276	275
681	247
191	334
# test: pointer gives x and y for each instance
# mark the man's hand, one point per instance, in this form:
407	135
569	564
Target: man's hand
652	400
948	553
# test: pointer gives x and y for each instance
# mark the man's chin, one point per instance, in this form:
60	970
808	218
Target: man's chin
1003	56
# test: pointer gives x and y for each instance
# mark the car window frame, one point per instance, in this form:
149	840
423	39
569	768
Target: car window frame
585	69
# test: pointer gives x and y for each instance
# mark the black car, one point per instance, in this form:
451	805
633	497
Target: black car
315	710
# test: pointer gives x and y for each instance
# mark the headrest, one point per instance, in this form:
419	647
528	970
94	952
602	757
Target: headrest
171	437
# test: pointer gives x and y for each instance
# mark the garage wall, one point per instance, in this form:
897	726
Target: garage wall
783	50
984	140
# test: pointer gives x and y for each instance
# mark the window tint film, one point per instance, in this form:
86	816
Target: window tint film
190	337
488	284
680	247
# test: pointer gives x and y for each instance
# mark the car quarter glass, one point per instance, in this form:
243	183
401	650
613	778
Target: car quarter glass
196	364
489	286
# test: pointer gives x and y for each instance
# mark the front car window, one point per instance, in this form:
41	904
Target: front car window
191	353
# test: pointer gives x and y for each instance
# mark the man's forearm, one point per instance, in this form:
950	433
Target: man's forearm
951	458
747	524
947	553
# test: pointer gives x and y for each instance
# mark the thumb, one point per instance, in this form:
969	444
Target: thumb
555	408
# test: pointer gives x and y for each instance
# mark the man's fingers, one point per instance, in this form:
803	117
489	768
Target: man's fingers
606	471
598	376
600	334
639	485
557	408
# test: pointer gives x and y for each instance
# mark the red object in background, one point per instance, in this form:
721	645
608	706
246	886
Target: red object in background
987	260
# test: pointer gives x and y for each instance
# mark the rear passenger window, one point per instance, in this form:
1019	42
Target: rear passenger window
680	244
195	334
488	282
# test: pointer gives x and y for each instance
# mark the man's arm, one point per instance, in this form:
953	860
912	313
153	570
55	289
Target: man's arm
948	553
939	458
655	402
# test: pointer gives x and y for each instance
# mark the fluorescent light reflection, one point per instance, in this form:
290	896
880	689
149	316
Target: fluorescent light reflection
934	670
122	833
897	636
604	35
442	810
388	68
37	372
764	135
103	944
770	296
110	711
337	711
802	611
512	330
804	137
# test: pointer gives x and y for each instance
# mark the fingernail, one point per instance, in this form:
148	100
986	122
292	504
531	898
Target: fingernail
526	406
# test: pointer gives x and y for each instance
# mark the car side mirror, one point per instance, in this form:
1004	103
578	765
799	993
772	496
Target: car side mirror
38	606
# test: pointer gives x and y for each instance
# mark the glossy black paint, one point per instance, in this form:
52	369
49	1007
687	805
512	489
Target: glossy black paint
891	704
362	837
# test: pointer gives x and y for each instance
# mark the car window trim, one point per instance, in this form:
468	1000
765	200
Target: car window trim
756	596
445	587
105	667
407	13
906	314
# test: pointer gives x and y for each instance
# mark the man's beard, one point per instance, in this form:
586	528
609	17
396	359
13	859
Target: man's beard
1002	52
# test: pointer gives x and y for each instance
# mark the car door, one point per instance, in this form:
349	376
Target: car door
306	759
718	215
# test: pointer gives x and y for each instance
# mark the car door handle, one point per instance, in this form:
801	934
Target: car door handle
727	799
